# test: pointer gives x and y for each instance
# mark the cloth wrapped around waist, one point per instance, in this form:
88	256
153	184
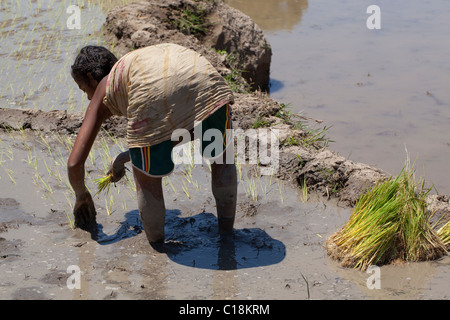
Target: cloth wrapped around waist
162	88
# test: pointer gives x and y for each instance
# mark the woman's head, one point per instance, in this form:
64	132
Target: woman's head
91	65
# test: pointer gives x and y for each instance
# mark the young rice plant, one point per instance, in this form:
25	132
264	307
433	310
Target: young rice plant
389	222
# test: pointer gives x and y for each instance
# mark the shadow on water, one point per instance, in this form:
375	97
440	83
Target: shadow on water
128	228
275	85
195	242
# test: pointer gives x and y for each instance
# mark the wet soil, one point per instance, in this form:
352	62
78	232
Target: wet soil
319	167
276	252
277	241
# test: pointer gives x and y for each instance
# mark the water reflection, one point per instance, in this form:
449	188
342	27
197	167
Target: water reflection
272	15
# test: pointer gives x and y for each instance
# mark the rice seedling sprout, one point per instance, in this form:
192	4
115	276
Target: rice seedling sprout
104	183
281	190
10	172
304	194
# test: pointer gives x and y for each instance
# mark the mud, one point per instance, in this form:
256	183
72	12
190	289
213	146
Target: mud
321	169
279	237
277	249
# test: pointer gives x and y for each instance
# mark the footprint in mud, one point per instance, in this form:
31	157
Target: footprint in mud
195	242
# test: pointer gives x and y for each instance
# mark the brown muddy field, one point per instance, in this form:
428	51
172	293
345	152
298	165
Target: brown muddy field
277	250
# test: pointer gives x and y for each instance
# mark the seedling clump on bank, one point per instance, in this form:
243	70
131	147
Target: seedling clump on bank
389	223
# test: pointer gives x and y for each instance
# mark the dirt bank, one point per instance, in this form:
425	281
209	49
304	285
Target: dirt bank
229	39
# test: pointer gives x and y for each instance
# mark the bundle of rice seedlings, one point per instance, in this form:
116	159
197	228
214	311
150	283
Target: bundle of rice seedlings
444	233
104	183
389	222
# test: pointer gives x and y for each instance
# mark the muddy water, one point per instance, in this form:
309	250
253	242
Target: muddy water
39	41
276	251
272	256
381	91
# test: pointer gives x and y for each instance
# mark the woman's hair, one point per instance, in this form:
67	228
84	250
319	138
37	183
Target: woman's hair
95	60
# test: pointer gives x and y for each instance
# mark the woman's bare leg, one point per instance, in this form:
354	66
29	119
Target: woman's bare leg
224	189
151	205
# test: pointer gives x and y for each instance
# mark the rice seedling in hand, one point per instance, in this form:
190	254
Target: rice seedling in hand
103	183
389	222
114	174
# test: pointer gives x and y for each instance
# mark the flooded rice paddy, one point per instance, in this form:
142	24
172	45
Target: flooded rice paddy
277	251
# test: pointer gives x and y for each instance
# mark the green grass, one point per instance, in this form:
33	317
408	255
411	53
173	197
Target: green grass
389	222
192	21
260	123
234	79
312	137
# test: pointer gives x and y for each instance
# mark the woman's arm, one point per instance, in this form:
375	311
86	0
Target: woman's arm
96	113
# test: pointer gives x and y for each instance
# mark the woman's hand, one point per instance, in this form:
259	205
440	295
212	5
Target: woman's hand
117	169
84	210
